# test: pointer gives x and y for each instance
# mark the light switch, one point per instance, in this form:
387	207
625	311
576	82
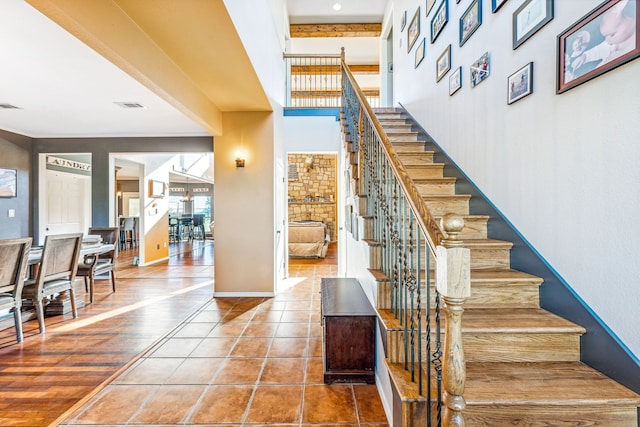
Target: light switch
12	213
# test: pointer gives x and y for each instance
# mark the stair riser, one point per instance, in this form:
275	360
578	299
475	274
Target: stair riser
416	158
403	137
502	296
481	257
549	415
442	207
495	347
425	171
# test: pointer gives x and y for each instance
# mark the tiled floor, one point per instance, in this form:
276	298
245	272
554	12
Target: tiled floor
236	362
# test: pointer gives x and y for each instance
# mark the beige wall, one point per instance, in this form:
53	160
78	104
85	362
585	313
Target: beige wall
244	200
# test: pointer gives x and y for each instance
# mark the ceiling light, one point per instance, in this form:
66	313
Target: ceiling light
130	104
337	6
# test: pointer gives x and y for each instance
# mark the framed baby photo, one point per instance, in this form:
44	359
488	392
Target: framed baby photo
470	20
439	20
480	70
443	63
602	40
414	30
529	18
455	81
520	83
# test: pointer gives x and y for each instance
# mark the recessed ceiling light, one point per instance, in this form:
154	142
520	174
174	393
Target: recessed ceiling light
130	104
337	6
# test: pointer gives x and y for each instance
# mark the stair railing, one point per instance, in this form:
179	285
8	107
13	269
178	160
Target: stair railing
410	240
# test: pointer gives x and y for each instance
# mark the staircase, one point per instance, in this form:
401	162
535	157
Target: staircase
523	363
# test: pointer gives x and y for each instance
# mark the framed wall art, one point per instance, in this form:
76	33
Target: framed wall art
443	63
520	83
496	4
604	39
439	20
480	70
156	188
8	182
470	20
529	18
430	4
403	20
419	55
414	30
455	81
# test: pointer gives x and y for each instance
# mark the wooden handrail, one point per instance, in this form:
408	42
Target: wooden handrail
426	221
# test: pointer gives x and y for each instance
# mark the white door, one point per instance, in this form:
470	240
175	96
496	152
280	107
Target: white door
68	199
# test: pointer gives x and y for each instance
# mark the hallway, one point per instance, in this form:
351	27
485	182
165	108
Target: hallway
251	361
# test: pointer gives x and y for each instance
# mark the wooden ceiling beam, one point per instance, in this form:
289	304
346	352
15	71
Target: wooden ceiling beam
335	30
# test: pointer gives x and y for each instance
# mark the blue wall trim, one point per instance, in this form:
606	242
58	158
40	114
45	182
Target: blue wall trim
313	112
600	348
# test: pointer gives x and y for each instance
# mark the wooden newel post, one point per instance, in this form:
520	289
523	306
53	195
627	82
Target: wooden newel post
454	285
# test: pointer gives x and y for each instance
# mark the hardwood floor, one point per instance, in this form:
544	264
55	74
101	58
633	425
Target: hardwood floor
163	351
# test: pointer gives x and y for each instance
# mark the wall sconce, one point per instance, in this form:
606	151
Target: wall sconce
239	162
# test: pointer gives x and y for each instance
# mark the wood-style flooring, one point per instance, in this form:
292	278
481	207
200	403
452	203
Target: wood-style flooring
162	351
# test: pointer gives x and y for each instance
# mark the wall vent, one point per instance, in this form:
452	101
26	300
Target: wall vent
5	106
130	104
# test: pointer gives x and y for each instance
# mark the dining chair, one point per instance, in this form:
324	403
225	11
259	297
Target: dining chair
56	272
92	267
14	254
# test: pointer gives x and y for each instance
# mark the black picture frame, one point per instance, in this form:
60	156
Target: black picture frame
8	183
470	20
520	84
414	30
578	45
439	19
530	17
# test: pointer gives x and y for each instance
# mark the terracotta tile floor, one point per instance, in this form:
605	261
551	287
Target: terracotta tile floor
237	362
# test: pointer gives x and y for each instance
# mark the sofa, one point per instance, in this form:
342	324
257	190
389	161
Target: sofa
308	239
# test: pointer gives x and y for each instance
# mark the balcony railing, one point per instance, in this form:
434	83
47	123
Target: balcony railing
315	81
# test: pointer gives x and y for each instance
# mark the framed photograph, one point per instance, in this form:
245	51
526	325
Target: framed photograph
529	18
8	182
430	4
439	20
520	83
414	30
403	20
443	63
420	53
604	39
470	20
480	70
455	81
496	4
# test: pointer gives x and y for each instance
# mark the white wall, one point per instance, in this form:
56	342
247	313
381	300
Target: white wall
562	168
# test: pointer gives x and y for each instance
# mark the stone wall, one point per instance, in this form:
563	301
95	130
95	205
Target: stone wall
312	189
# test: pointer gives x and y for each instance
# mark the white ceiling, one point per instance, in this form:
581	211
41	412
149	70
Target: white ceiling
63	88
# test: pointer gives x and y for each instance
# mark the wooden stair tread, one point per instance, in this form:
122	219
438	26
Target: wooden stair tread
480	276
436	197
543	383
401	378
445	179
